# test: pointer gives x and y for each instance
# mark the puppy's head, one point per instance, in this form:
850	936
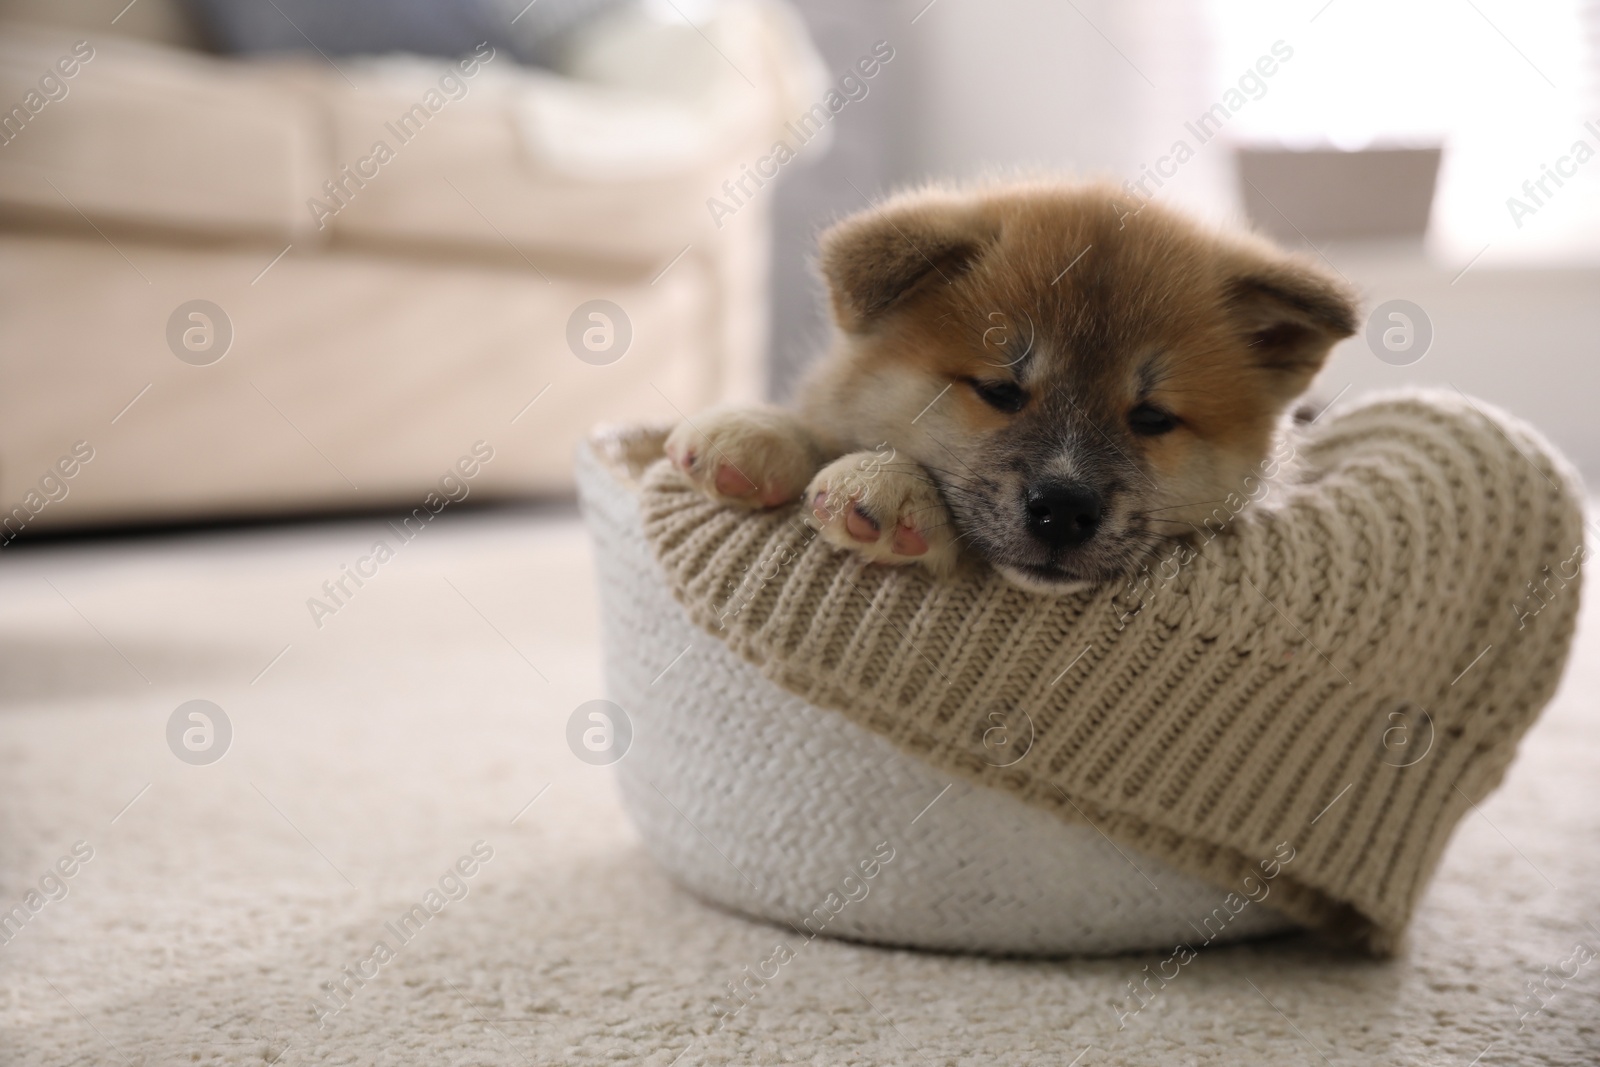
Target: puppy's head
1082	378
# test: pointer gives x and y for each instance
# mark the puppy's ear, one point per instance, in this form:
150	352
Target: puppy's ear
882	257
1290	314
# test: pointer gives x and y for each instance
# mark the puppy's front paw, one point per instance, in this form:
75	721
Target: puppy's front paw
750	457
885	510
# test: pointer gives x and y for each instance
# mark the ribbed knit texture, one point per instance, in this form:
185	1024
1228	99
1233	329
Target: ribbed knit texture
1235	703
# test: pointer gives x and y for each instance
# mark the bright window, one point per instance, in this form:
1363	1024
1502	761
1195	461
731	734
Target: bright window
1506	86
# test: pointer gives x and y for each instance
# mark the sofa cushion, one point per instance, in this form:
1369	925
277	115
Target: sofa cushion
473	153
617	161
150	136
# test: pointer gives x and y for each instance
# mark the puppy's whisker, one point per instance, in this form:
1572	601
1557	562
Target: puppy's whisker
1174	507
966	492
918	474
939	470
912	467
917	470
940	526
965	495
952	482
961	461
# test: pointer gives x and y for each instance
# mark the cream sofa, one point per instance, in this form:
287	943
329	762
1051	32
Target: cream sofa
433	304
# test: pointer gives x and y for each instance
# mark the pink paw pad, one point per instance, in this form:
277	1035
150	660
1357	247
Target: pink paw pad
860	526
731	482
908	541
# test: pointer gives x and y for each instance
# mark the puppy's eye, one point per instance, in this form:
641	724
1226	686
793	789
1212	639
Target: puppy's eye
1002	395
1147	420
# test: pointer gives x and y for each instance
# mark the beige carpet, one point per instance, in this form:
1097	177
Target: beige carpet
426	713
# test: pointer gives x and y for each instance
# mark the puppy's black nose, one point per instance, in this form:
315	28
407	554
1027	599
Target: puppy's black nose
1063	514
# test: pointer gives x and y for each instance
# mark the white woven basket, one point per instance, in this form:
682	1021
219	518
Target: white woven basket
760	802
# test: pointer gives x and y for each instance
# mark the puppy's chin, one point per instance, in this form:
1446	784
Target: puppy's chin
1050	581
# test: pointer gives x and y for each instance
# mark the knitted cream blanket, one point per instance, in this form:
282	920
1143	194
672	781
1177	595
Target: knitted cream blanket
1338	675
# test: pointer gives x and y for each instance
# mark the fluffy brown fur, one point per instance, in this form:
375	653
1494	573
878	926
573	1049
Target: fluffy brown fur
1042	373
